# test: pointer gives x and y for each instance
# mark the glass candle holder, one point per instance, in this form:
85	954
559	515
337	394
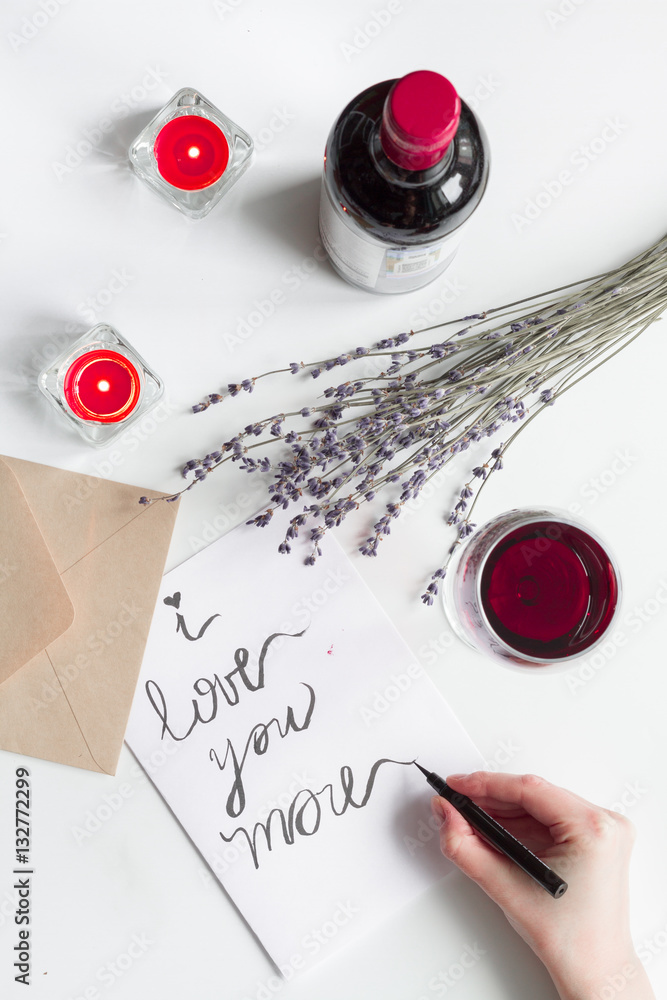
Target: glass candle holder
533	588
101	385
191	153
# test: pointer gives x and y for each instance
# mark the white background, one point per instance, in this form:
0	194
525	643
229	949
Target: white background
545	87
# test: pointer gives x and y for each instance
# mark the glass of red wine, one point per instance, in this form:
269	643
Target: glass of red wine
532	587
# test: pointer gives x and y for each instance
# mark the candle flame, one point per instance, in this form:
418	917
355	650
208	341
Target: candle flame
194	152
103	385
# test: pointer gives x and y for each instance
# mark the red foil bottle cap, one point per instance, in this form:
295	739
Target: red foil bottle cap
420	119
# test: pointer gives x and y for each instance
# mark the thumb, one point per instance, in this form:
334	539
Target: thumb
492	871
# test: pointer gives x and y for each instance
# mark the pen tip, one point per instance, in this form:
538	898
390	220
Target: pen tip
422	769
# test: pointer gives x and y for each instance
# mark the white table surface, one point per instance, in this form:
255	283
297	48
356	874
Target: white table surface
131	911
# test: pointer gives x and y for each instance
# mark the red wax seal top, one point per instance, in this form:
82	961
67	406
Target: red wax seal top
420	119
103	386
191	152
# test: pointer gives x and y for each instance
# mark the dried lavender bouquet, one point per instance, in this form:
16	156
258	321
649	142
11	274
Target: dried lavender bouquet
390	433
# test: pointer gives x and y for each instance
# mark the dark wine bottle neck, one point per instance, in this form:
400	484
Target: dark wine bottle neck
394	174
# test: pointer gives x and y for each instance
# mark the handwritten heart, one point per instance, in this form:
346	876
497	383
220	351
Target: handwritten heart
174	601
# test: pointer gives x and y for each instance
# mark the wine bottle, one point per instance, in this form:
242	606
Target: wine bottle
406	164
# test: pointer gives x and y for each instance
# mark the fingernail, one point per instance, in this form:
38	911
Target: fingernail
438	810
457	776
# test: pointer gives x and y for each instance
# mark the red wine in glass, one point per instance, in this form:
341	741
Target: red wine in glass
534	587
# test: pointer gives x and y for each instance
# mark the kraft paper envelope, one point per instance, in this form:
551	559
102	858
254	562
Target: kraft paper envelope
80	567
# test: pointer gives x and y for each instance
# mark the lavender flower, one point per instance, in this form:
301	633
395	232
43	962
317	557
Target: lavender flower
261	520
386	437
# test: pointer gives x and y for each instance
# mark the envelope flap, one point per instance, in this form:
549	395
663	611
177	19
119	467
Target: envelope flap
36	719
97	662
35	608
75	513
70	702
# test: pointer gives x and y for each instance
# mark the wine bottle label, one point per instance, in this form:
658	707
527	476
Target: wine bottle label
358	257
368	262
400	261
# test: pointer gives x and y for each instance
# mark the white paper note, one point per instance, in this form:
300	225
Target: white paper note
287	759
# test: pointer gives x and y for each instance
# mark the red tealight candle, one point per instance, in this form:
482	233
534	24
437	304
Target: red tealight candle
191	152
103	386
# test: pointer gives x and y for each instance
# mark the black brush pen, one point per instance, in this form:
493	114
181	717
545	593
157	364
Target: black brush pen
496	835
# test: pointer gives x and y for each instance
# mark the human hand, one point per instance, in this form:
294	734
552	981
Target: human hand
583	938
